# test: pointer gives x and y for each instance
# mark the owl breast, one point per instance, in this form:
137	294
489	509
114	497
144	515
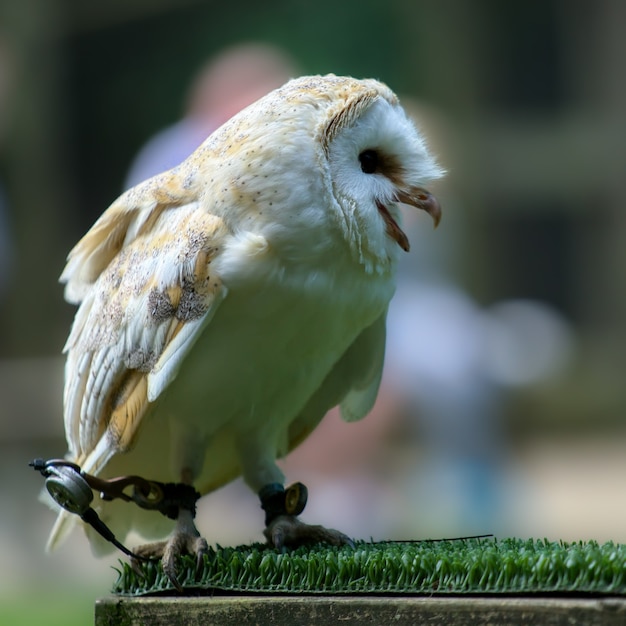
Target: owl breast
274	338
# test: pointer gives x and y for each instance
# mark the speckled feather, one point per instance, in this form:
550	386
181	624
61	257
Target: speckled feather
251	282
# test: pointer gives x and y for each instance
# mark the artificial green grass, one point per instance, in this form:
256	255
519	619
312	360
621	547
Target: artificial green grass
472	566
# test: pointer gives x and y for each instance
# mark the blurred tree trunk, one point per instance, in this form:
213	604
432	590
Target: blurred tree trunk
37	178
612	91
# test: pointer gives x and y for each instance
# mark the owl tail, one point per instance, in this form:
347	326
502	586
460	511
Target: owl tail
62	528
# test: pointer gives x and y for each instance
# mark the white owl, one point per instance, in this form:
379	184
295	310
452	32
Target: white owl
227	304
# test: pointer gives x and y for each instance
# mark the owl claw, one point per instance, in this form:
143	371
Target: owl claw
287	531
185	539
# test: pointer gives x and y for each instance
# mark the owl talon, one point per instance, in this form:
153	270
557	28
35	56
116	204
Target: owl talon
185	539
287	531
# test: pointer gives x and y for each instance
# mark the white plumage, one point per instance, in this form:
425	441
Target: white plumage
226	305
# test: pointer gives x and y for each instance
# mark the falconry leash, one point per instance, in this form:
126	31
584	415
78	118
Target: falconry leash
72	489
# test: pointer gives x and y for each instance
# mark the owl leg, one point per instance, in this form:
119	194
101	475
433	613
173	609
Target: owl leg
283	528
184	539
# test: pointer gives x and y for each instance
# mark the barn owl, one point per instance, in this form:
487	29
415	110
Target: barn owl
226	305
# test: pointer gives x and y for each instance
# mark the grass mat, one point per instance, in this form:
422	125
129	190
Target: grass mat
475	566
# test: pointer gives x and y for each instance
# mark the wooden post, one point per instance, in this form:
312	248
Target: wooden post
289	610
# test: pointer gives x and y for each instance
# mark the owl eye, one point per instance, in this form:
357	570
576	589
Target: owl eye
369	161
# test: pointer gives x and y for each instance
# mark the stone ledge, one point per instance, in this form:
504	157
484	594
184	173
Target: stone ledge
279	610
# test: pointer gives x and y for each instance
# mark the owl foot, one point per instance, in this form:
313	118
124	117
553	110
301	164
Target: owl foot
288	531
185	539
283	528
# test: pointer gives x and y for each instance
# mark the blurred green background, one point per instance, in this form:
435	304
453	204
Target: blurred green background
525	101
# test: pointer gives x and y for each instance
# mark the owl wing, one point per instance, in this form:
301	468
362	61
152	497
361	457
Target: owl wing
146	289
352	383
365	359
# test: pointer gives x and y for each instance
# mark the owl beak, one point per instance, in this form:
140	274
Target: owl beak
414	196
393	229
421	199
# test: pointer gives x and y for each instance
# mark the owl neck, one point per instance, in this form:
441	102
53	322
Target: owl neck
369	244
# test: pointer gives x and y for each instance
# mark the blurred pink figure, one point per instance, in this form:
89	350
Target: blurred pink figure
228	83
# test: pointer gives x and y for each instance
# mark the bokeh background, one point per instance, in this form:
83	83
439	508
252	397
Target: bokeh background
502	409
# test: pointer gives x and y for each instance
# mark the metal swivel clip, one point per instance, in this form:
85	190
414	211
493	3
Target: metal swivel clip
72	489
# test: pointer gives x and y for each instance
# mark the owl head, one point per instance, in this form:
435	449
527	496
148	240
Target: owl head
323	145
375	160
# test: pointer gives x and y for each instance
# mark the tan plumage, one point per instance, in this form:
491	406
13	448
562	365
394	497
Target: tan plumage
226	305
